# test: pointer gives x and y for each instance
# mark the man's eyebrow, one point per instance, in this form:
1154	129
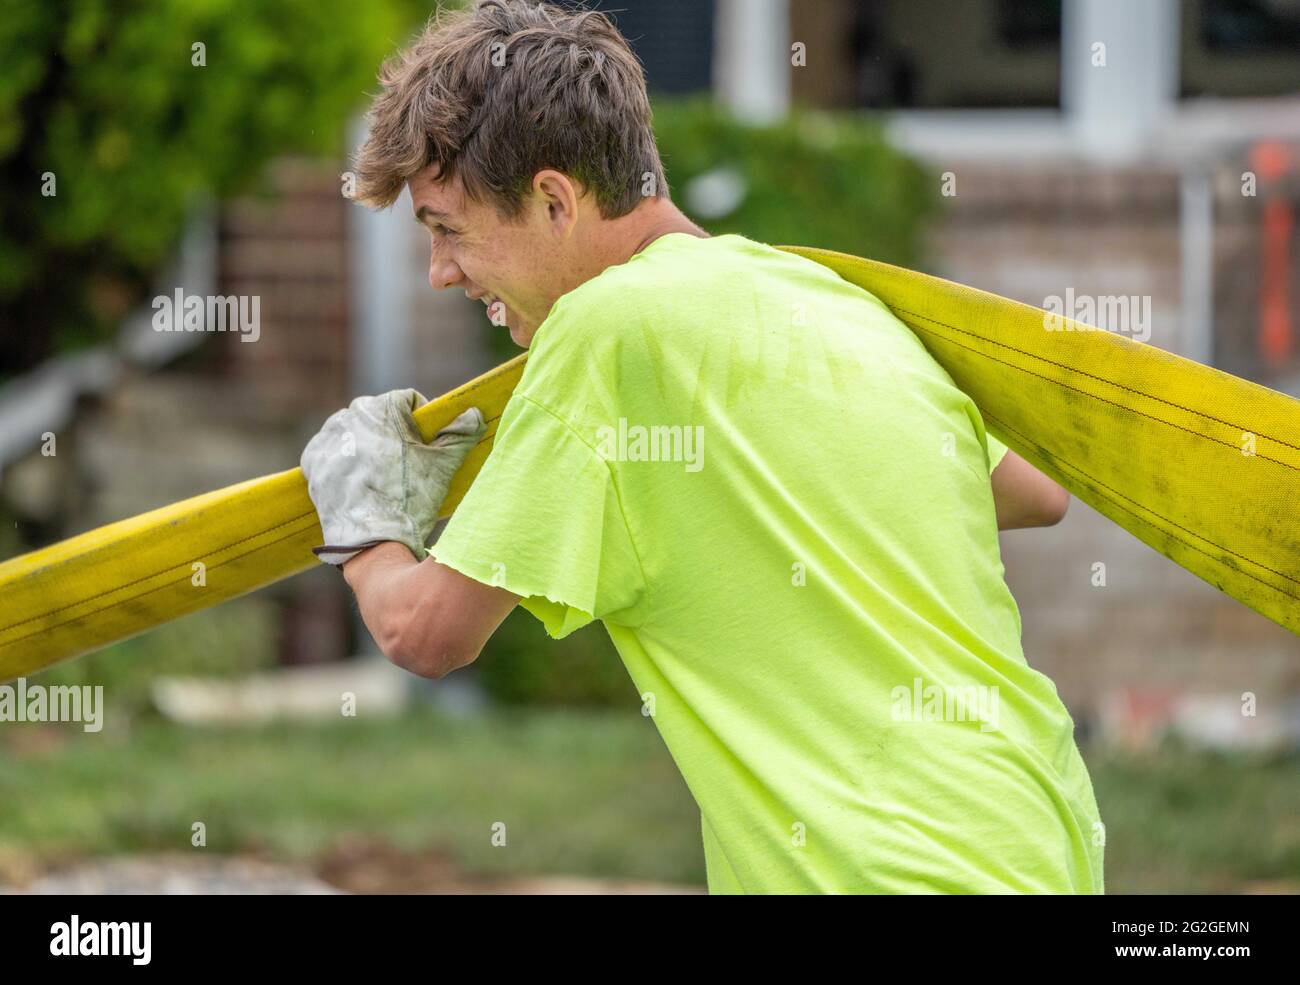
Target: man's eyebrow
424	214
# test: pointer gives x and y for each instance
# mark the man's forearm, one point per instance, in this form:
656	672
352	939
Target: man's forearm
426	617
380	577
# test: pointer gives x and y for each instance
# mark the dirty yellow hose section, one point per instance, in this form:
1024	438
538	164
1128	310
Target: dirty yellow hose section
1202	466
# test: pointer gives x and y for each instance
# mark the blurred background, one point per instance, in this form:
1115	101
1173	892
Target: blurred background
204	147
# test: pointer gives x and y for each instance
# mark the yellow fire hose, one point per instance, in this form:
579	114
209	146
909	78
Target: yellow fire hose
1202	466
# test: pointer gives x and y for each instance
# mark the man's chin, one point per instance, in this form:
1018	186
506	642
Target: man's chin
521	334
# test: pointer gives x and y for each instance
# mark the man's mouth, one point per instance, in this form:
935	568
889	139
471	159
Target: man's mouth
496	308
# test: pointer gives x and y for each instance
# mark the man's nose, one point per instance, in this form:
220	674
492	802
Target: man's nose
443	274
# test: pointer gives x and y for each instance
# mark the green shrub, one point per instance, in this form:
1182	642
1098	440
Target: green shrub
813	179
113	106
522	665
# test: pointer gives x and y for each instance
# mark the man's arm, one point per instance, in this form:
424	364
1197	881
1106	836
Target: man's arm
426	617
1024	497
377	487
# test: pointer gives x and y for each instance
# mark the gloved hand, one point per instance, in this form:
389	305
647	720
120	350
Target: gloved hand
372	478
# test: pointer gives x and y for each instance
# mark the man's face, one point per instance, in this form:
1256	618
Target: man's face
509	265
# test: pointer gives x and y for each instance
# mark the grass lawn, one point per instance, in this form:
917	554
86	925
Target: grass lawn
579	792
1185	821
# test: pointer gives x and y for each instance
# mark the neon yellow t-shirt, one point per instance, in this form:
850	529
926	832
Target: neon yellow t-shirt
779	505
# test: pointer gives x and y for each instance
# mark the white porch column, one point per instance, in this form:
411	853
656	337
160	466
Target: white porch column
1112	108
751	58
377	242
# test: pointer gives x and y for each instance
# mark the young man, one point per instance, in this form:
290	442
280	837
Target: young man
776	501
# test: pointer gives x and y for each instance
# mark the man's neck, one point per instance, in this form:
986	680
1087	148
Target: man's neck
668	218
624	238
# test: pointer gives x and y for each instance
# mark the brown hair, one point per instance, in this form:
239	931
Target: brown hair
503	89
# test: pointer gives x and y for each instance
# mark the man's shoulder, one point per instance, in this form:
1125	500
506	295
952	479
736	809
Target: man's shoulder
673	261
678	274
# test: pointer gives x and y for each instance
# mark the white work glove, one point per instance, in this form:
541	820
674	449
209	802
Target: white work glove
372	478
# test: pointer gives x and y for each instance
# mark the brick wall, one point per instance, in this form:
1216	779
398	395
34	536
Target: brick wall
291	250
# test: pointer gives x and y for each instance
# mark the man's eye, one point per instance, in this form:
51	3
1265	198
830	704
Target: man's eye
442	230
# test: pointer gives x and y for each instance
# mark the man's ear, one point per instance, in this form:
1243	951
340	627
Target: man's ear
559	195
